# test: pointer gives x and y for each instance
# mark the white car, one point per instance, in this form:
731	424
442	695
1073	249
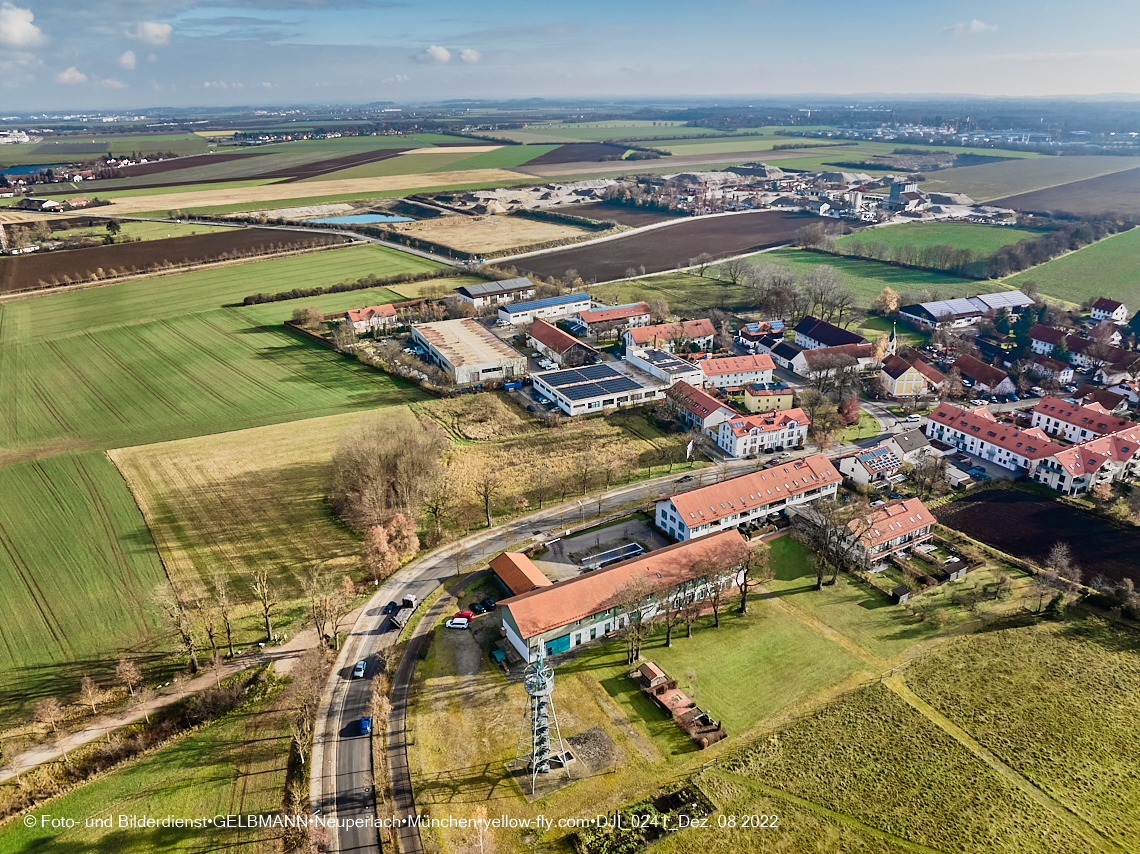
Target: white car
457	623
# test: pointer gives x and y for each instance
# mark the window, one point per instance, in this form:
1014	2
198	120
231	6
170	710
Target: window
578	639
593	632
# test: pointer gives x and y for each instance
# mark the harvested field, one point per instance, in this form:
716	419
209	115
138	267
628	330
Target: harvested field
633	217
487	233
253	196
578	151
48	269
670	247
1115	193
179	163
1027	526
1002	180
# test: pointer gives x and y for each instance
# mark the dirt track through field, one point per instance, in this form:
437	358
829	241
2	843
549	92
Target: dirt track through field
316	189
1078	824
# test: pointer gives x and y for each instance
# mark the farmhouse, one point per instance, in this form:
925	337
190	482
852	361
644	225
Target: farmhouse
737	370
901	378
699	409
1109	309
560	617
964	311
1075	422
811	334
827	360
747	500
784	354
467	352
978	432
517	573
763	432
610	318
494	293
580	391
1042	339
372	318
866	467
664	366
672	337
561	347
30	204
985	378
520	313
764	397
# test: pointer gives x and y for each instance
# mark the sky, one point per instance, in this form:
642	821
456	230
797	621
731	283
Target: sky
122	54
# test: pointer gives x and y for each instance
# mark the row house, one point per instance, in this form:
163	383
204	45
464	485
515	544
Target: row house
699	409
977	432
894	526
763	433
736	371
1076	422
1078	469
749	499
671	337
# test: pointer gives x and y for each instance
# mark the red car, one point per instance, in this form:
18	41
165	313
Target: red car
468	614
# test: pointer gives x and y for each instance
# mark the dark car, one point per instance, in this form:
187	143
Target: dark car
478	607
391	608
530	408
686	479
488	603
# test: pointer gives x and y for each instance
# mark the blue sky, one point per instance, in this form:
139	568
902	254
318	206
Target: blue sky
96	54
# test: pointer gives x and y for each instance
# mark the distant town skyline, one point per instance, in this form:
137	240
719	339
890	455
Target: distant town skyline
125	54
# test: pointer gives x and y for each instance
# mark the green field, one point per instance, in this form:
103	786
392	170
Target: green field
157	191
234	766
997	180
78	148
144	230
872	327
69	525
1105	268
961	235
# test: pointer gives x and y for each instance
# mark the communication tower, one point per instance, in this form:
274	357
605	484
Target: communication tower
540	739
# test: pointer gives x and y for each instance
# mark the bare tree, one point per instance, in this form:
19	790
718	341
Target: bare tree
701	262
670	604
821	529
630	603
142	700
175	617
128	675
735	271
89	692
757	570
1061	561
659	309
49	712
486	483
225	605
265	592
717	580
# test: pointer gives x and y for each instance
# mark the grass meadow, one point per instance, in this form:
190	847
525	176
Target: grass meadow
960	235
234	766
1105	268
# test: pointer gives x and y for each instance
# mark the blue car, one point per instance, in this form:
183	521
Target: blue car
391	608
366	726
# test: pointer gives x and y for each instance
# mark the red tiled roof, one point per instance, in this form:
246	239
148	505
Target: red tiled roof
1032	444
757	489
1053	366
767	422
553	337
1092	417
736	364
670	331
929	371
895	519
357	315
1047	334
1106	304
600	315
593	592
975	370
855	352
697	401
518	572
895	366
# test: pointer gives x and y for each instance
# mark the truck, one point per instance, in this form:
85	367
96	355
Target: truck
404	612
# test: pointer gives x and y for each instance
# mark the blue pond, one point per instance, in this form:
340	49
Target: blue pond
358	219
30	170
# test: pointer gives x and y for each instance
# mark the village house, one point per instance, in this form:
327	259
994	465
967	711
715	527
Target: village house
1109	309
371	319
494	293
763	433
828	359
560	347
784	354
1074	422
764	397
597	321
873	466
747	500
555	619
1046	367
811	334
517	573
985	378
1113	401
699	409
910	446
672	337
1044	339
736	371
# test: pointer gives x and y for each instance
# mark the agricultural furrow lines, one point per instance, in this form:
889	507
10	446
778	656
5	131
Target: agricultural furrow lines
46	480
10	391
177	367
25	573
52	411
228	365
129	371
85	381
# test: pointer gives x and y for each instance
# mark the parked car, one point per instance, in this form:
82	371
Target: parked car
478	608
488	603
457	623
358	671
468	614
530	408
366	726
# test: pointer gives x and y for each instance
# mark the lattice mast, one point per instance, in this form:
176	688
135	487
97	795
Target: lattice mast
540	739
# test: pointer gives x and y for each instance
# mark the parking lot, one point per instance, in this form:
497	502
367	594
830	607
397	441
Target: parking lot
565	559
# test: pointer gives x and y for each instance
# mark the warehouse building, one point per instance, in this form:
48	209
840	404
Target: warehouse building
494	293
580	391
543	309
467	352
664	366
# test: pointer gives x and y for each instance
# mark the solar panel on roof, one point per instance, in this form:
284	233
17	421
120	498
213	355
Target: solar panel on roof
618	385
598	372
583	391
561	378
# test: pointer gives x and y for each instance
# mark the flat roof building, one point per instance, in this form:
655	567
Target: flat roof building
543	309
665	366
467	352
492	293
581	391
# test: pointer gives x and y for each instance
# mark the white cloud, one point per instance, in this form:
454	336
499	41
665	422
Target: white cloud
112	83
72	75
974	26
267	85
435	53
470	55
151	57
127	60
215	84
17	29
150	32
399	78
